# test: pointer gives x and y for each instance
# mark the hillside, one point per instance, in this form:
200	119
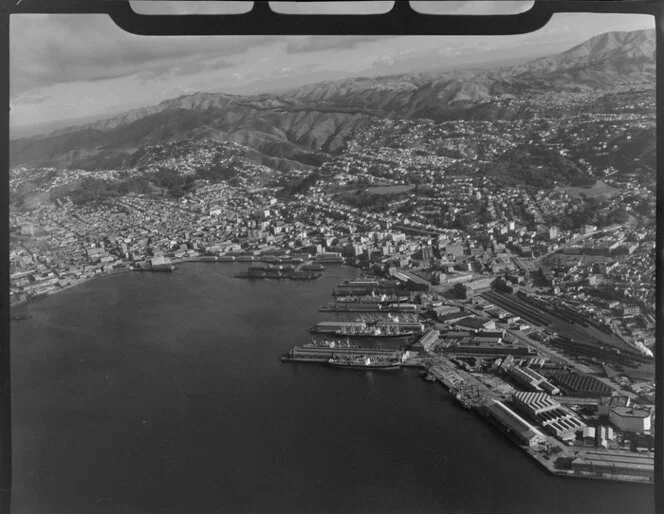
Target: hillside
303	126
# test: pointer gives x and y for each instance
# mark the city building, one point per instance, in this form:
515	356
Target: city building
630	419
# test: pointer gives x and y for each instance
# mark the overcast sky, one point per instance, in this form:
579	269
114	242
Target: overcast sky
70	66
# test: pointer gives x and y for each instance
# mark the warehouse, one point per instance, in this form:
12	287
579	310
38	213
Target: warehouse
532	380
510	422
611	464
581	385
549	414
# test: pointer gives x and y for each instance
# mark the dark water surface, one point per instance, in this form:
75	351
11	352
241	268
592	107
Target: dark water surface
163	393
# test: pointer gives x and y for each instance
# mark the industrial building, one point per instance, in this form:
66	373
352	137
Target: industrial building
532	380
614	464
549	414
580	385
510	422
629	419
330	257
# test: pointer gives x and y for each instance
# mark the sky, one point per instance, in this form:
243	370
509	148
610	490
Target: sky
65	67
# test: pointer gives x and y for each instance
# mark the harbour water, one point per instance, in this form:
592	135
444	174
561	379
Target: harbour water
164	393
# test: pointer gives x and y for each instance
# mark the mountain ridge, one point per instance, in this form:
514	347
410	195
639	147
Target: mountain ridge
299	124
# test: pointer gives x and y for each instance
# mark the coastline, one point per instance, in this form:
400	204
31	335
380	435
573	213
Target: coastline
79	282
532	452
417	362
97	276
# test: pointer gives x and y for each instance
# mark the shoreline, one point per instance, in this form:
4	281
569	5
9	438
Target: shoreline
82	281
547	464
79	282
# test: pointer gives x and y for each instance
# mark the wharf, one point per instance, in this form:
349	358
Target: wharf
474	392
550	455
365	307
302	354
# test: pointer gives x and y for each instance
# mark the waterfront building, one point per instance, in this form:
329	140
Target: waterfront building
510	422
329	257
549	414
532	380
629	419
606	464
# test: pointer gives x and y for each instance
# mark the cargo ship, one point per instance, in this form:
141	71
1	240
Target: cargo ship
372	329
371	298
364	363
369	307
286	271
313	267
375	332
330	343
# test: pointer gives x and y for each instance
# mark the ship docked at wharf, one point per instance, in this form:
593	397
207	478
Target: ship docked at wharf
331	344
368	286
365	362
373	328
346	355
278	271
369	303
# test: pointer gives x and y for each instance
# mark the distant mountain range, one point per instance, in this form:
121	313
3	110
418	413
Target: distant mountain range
303	125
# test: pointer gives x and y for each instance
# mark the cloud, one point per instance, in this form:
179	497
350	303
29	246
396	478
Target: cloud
321	43
183	67
53	49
